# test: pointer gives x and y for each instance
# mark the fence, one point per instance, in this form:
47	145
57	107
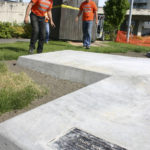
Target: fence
137	40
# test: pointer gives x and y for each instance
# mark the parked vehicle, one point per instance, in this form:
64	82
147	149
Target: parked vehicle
100	29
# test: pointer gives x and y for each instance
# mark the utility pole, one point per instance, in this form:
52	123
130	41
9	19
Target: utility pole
130	18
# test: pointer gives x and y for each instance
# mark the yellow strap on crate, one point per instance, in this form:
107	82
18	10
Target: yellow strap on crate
66	6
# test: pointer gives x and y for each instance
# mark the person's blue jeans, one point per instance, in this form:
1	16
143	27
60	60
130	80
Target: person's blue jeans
38	32
87	32
47	31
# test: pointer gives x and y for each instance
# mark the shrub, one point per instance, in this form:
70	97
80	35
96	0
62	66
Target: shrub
15	30
18	31
6	30
115	11
109	31
27	30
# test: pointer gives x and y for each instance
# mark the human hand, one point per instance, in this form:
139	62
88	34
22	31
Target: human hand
96	21
52	24
26	19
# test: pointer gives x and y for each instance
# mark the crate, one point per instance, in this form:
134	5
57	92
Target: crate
64	14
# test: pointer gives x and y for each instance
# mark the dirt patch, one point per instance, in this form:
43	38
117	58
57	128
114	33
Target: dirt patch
56	88
95	44
132	54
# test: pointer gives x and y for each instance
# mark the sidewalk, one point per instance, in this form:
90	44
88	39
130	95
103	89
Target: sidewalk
13	40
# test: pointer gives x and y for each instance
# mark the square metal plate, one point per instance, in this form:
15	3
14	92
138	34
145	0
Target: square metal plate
77	139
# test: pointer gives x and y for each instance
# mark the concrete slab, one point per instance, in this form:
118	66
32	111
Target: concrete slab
115	109
100	63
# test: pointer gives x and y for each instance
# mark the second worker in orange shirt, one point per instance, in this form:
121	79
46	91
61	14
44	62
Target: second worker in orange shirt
88	9
38	8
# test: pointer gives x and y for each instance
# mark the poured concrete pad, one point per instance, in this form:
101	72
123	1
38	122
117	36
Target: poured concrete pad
116	108
99	63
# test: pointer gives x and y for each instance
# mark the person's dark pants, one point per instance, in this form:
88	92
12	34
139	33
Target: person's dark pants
87	32
38	32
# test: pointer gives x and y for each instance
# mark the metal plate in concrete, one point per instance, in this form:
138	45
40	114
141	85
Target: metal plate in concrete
77	139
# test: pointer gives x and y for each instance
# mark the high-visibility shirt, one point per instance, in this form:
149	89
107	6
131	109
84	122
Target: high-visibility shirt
88	9
40	7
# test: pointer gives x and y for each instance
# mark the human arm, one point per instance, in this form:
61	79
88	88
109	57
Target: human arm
95	9
79	14
50	18
96	17
26	18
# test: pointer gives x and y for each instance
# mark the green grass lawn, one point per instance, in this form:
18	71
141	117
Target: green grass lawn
11	51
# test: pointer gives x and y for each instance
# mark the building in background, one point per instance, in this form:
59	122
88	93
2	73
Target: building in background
140	18
141	4
141	24
12	11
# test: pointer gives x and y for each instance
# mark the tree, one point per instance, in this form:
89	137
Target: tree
115	11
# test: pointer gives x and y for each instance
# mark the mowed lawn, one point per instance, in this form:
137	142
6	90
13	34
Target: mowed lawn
11	51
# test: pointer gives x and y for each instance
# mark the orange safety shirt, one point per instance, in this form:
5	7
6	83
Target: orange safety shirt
88	9
40	7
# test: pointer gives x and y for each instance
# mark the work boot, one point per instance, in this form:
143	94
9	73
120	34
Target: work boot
148	54
31	50
87	47
84	46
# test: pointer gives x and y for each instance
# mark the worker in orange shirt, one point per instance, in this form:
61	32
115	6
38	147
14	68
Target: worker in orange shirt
88	9
38	9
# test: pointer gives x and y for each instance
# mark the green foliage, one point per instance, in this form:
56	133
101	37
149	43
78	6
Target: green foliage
109	31
107	37
115	11
10	100
27	30
6	30
18	31
17	91
14	30
3	68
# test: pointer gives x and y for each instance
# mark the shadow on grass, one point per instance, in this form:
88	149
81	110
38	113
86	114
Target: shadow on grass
58	44
15	49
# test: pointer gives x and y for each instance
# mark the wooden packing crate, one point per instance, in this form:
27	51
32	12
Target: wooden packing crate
64	19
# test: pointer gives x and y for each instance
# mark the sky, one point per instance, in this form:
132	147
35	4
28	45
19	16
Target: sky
101	2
